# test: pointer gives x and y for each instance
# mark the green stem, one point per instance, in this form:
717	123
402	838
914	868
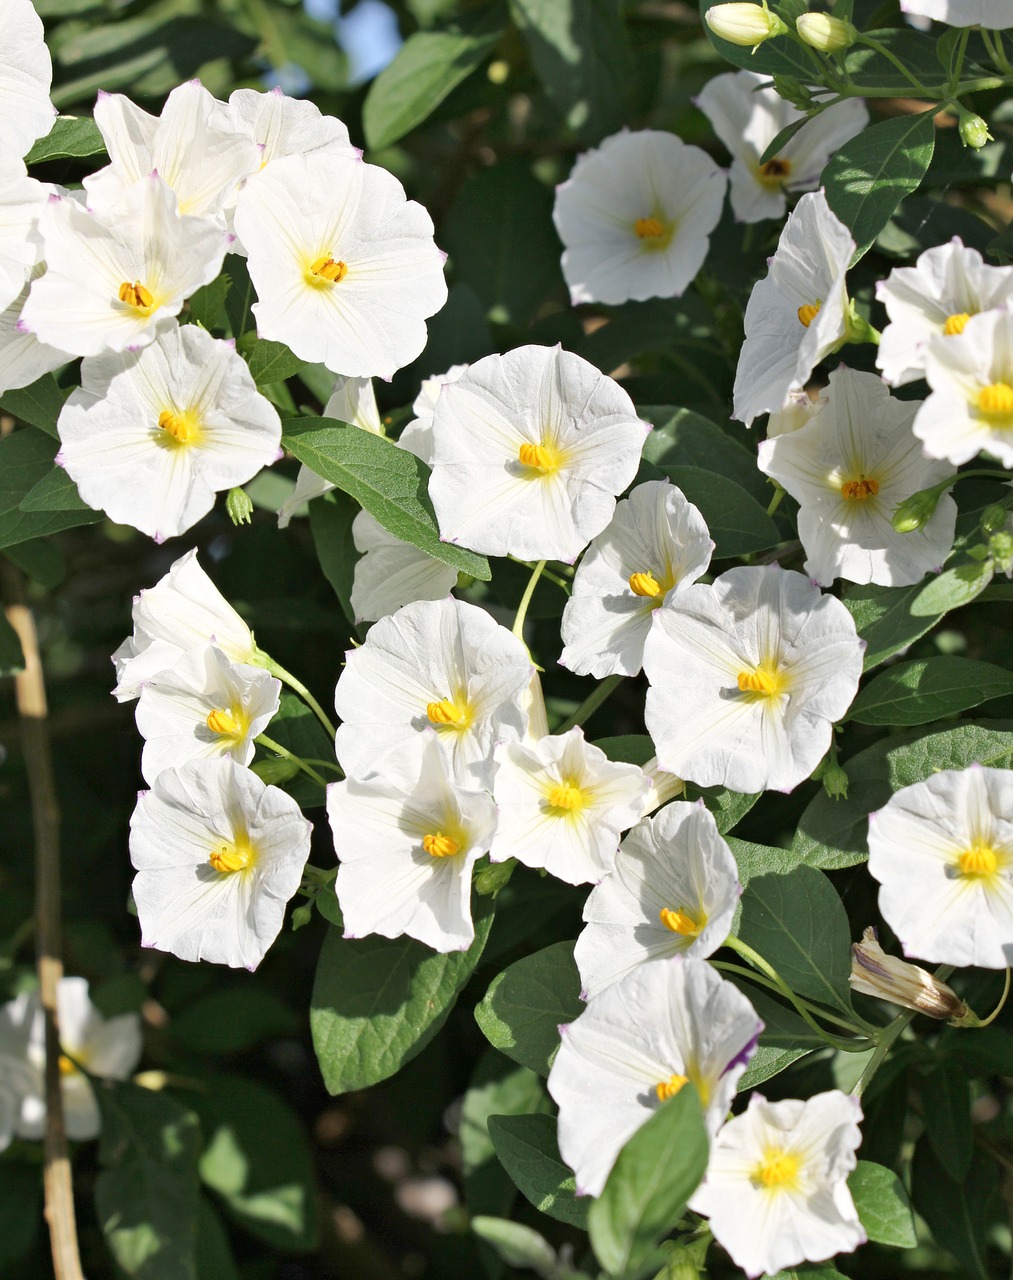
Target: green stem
884	52
957	65
325	764
263	740
522	608
775	501
591	703
547	574
286	677
888	1036
999	1007
815	1009
998	51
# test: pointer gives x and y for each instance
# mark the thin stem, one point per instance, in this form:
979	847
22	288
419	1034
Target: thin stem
815	1009
262	740
286	677
999	1007
887	1037
529	591
884	52
775	501
324	764
999	52
548	574
591	703
957	64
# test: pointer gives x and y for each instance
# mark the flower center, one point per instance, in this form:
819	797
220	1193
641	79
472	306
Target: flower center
326	270
765	680
955	323
653	233
184	427
996	400
67	1067
682	921
775	173
645	584
137	296
860	489
808	313
567	796
980	862
230	858
669	1088
777	1169
542	458
437	845
229	724
449	714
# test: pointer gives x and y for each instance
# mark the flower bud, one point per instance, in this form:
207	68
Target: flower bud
239	506
793	91
973	130
744	24
493	877
993	518
917	510
887	977
825	33
1000	548
835	781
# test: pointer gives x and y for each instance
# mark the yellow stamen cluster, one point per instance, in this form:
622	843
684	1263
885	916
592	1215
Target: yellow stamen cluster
860	489
955	323
183	427
980	862
996	400
645	584
566	795
808	313
135	295
669	1088
446	712
540	457
681	921
227	723
67	1067
328	269
649	228
232	858
437	845
764	680
775	173
778	1169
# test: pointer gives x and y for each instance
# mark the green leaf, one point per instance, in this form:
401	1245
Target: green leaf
953	588
781	139
646	1193
799	925
26	459
737	522
581	54
884	619
958	1214
214	1255
832	833
146	1194
296	728
779	56
269	361
377	1002
427	67
498	1088
946	1097
917	692
55	492
883	1207
630	748
530	1154
728	807
39	404
526	1004
41	560
231	1020
755	860
70	136
682	437
12	658
20	1211
784	1039
871	173
257	1160
331	520
516	1244
240	297
388	482
207	306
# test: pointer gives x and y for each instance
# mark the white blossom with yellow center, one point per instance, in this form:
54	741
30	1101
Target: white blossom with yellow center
202	707
797	313
673	891
530	450
747	677
563	805
995	14
407	838
26	76
942	851
776	1187
635	216
656	545
218	855
971	376
849	468
151	436
665	1024
747	114
23	358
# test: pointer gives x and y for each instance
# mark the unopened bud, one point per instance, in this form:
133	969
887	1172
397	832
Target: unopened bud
793	91
664	787
493	877
916	511
835	781
973	130
1000	549
821	31
744	24
993	518
239	506
302	915
876	973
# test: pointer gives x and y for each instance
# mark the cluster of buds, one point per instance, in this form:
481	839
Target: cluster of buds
749	25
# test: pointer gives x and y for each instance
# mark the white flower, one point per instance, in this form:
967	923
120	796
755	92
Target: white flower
849	469
182	611
635	215
797	313
202	707
152	435
530	450
971	406
673	890
23	358
563	805
747	114
22	199
962	13
747	677
202	163
115	278
656	545
798	409
942	851
776	1187
109	1048
280	125
407	839
26	75
417	436
435	662
345	267
664	1025
218	855
938	295
392	573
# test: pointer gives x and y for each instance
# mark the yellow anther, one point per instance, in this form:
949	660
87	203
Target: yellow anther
955	323
566	795
224	722
860	489
644	584
447	712
778	1168
228	858
996	400
330	269
649	228
67	1068
808	313
135	295
183	427
681	921
540	457
438	845
670	1087
764	680
980	862
775	173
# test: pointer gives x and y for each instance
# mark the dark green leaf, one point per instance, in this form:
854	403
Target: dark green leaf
26	458
728	807
529	1152
631	748
871	173
69	136
146	1194
681	437
498	1088
39	404
20	1211
737	522
331	520
388	482
869	69
269	361
917	692
526	1004
240	296
377	1002
516	1244
41	560
883	1207
12	659
760	860
232	1019
781	139
953	588
296	728
946	1098
207	306
214	1256
427	66
957	1213
784	1039
55	492
884	619
779	56
653	1178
